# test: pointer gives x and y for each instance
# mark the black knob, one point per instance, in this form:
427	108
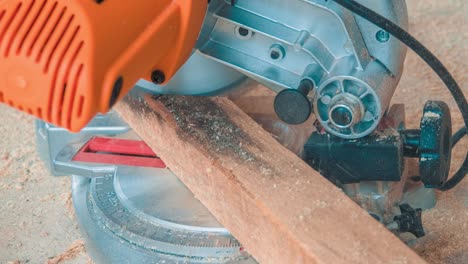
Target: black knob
410	220
435	144
292	105
431	143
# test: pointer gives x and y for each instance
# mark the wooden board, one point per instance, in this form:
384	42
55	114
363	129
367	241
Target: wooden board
279	208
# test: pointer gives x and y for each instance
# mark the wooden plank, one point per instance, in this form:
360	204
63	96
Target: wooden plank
279	208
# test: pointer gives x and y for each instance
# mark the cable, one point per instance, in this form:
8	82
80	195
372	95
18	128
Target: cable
460	174
429	58
458	136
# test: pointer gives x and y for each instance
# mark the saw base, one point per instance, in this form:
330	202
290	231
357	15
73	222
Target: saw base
143	217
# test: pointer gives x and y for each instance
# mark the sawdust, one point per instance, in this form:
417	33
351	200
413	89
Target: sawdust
442	26
47	198
446	238
68	202
33	222
72	252
205	122
200	119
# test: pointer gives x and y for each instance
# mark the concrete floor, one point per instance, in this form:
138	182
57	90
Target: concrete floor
37	222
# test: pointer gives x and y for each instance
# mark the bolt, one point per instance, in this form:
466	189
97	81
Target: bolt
158	77
382	36
243	31
345	110
277	52
342	116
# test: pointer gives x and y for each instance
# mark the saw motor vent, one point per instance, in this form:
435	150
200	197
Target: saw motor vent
64	61
41	63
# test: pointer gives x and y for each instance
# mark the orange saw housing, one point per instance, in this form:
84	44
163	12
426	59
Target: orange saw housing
66	60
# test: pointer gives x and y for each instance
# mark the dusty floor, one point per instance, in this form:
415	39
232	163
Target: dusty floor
443	27
36	220
37	223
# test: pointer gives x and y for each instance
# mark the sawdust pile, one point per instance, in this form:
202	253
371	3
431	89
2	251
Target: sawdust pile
72	252
68	202
442	26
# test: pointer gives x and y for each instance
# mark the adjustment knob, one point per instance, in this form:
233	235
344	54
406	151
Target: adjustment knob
410	220
431	144
292	105
435	144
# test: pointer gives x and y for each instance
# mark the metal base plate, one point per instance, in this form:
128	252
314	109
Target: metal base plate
141	215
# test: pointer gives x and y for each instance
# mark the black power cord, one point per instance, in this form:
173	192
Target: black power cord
432	61
461	173
458	136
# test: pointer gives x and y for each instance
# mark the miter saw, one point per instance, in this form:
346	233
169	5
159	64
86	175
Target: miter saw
334	61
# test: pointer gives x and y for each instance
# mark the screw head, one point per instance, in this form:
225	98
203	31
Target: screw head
158	77
243	33
382	36
277	52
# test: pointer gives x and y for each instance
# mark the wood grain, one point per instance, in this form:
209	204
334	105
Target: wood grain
279	208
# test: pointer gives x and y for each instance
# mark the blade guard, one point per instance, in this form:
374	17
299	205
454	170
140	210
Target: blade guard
65	61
